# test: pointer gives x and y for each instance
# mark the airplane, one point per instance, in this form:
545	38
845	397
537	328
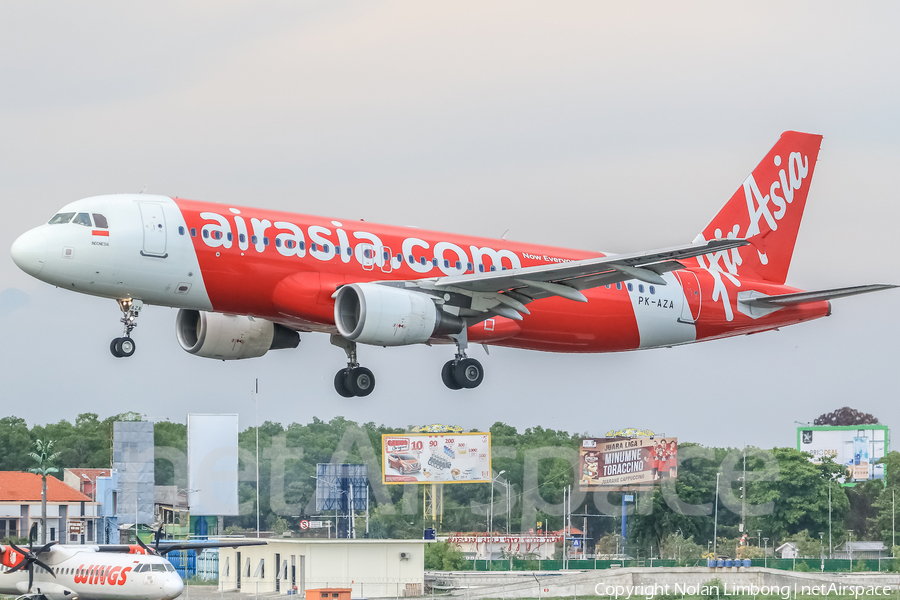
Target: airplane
107	572
248	280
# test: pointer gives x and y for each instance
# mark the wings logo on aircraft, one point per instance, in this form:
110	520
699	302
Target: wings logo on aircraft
249	280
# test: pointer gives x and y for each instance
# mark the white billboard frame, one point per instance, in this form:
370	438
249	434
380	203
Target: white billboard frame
212	466
844	451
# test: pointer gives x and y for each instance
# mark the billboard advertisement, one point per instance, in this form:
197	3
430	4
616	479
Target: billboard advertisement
212	463
606	463
856	447
436	458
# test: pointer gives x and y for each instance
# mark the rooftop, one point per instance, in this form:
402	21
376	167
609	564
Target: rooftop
26	487
89	474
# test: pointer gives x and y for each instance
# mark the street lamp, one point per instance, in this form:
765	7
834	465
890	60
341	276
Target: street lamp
850	548
766	553
822	548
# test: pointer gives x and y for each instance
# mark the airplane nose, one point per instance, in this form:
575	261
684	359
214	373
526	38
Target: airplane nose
173	586
29	252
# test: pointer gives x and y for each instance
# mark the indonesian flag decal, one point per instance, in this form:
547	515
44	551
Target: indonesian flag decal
9	557
100	232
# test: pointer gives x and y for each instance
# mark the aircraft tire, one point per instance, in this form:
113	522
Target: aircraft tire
340	383
360	381
113	348
125	347
448	377
468	373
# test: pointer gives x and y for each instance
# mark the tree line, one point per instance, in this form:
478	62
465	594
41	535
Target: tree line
797	499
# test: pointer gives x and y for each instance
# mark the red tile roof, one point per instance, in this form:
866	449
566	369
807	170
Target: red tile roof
26	487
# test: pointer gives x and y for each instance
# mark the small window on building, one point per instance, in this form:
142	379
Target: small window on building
53	534
82	219
324	594
61	218
100	221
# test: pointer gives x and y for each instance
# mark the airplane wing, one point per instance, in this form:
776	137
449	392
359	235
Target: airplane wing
163	548
506	292
816	296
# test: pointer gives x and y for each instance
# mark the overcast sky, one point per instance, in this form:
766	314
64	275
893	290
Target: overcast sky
596	125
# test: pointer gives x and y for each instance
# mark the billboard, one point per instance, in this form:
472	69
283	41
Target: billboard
133	460
436	458
856	447
606	463
340	485
212	463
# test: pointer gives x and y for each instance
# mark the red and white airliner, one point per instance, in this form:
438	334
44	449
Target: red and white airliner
247	280
106	572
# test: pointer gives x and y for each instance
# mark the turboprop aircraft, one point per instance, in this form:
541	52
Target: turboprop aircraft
249	280
105	572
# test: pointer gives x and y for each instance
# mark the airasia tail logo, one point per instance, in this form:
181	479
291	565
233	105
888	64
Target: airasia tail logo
101	575
725	263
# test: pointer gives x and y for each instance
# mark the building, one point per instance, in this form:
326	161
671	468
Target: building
788	550
71	515
371	568
856	550
483	546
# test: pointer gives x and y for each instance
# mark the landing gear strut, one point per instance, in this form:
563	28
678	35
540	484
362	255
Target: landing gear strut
462	372
124	346
353	380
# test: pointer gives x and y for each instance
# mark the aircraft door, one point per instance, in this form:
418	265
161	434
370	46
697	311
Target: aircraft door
386	255
154	224
690	311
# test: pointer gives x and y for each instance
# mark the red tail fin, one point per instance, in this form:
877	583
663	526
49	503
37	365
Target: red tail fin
768	207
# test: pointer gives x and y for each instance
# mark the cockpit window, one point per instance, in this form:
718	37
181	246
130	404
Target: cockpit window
100	221
60	218
82	219
157	567
170	568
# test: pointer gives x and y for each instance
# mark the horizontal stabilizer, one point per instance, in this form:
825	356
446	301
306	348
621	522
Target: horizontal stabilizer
804	297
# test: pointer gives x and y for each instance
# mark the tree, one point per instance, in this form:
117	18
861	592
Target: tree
846	416
443	556
881	524
44	460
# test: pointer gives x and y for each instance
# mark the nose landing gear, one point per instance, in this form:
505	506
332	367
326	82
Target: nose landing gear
462	372
124	347
353	380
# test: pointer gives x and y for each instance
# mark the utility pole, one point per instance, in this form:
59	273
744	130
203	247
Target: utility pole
256	404
716	519
744	494
830	546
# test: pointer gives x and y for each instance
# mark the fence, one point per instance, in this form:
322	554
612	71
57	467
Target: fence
786	564
188	564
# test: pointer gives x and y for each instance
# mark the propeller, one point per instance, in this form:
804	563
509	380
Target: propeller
155	549
30	558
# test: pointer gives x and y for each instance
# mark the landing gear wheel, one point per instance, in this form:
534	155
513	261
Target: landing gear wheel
360	381
113	348
448	376
468	373
340	383
125	347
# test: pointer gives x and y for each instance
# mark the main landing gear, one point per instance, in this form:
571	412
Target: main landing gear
353	380
124	346
462	372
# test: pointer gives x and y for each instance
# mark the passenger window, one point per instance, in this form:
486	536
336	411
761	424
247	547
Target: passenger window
481	268
253	239
61	218
325	248
100	221
458	265
303	245
493	268
82	219
241	238
469	266
266	241
618	285
422	260
608	286
446	264
180	230
229	236
652	290
630	288
641	288
193	232
206	233
411	259
313	247
278	242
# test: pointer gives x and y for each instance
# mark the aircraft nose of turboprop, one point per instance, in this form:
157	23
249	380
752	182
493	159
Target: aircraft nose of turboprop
29	252
173	586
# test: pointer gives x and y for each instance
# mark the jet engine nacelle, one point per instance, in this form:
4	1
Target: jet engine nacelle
381	315
230	337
